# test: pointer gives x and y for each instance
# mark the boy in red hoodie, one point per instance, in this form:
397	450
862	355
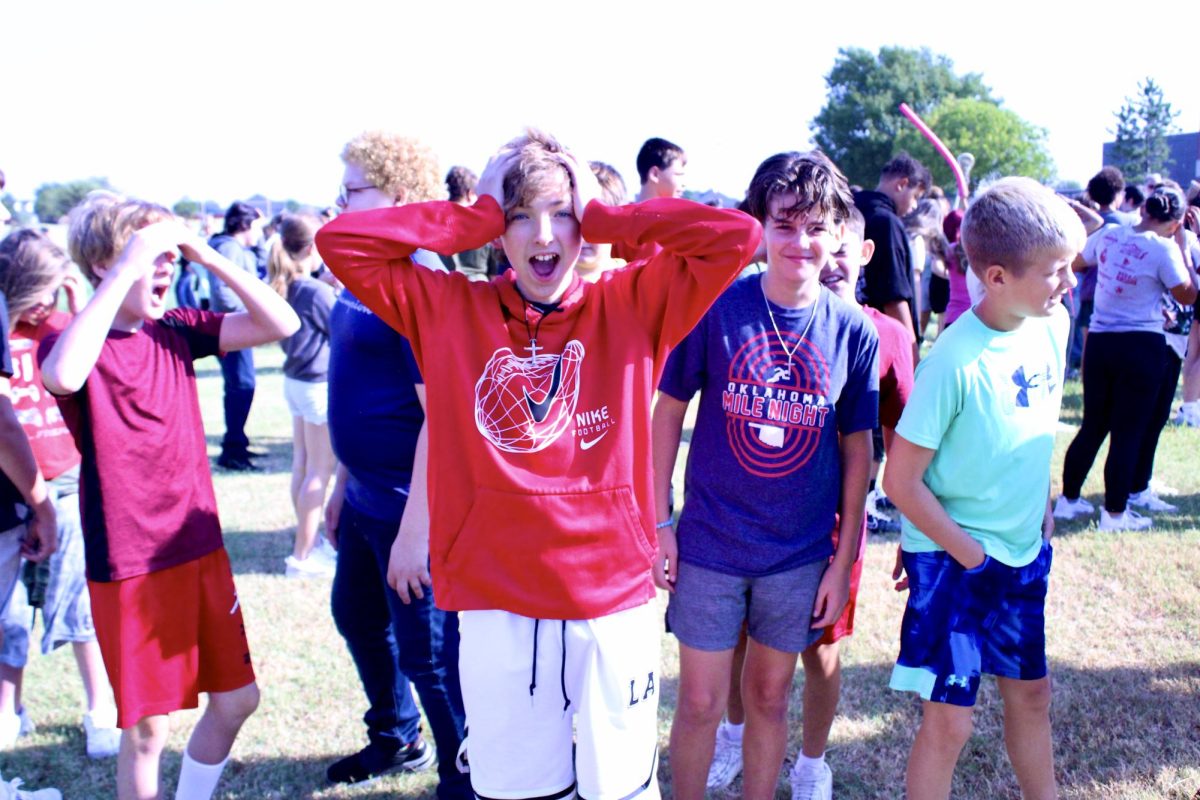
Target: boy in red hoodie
542	519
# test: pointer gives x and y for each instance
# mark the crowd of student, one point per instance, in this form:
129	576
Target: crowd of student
501	555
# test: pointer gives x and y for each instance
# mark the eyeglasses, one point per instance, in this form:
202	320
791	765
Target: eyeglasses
345	192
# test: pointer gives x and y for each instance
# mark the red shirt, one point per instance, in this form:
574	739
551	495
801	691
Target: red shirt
37	409
145	489
540	476
895	366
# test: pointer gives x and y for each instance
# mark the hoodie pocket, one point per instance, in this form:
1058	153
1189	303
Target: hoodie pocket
566	551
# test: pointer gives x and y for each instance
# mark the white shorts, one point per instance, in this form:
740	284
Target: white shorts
523	694
308	400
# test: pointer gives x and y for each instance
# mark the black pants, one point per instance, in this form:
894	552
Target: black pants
1158	421
1122	376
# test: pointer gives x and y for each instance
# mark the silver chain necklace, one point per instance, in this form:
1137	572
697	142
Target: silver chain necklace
787	374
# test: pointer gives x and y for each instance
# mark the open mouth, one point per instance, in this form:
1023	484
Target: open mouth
832	279
160	292
544	265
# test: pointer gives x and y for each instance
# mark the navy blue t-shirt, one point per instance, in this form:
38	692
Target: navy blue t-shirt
374	413
764	469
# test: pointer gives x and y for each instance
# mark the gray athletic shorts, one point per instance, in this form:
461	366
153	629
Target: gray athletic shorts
707	609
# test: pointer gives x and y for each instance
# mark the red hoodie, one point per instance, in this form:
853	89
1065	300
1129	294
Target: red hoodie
540	484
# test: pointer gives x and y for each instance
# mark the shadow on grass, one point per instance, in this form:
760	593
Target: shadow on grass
1185	519
259	552
276	456
1109	726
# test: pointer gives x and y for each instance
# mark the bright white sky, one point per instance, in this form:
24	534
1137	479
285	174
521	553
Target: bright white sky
221	100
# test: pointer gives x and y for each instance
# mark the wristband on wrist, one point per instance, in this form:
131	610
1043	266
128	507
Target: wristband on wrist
666	523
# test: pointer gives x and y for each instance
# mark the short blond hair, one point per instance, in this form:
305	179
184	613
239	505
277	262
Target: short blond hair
539	168
102	225
402	166
1017	220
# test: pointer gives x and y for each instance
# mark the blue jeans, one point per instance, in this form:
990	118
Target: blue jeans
393	643
237	368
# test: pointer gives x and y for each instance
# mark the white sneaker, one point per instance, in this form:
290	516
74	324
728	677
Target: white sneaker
727	759
312	567
9	791
1149	500
27	726
812	785
103	735
324	549
1129	520
1070	509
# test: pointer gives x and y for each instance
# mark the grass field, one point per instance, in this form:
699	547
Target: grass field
1124	644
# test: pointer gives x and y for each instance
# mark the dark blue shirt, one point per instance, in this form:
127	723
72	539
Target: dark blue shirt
764	468
374	413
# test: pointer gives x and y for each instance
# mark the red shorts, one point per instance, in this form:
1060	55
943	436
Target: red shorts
167	636
845	623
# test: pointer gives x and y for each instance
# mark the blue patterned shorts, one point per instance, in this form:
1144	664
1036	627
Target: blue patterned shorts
961	623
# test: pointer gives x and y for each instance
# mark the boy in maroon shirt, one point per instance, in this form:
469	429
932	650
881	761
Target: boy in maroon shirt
166	612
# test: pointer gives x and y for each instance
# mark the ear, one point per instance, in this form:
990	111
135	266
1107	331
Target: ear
868	250
652	175
402	196
994	275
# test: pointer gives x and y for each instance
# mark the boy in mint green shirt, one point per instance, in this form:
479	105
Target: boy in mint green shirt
970	472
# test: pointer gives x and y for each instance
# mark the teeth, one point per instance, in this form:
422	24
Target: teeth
546	257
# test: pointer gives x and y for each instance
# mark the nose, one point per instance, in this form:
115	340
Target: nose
1072	281
340	202
545	230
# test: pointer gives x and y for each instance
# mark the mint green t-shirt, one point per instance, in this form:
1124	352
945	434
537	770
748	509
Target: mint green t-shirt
987	401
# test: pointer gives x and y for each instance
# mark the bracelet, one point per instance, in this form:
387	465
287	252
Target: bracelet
666	523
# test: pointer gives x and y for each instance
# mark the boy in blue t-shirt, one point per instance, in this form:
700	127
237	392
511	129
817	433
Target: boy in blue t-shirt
789	395
970	472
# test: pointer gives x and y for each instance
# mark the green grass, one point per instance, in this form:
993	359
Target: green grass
1124	645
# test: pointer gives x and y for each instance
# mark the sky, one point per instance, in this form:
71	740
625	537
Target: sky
223	100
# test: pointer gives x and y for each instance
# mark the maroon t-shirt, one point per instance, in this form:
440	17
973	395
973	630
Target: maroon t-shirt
895	366
145	488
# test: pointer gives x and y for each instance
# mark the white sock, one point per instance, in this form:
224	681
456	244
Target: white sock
806	764
198	781
734	732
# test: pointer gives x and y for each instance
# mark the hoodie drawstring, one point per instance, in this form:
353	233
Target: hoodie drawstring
562	668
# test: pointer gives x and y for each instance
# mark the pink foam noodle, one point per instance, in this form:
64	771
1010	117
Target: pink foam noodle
943	151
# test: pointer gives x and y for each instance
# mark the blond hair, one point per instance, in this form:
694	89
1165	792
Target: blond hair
538	170
291	254
30	265
103	224
402	166
1017	220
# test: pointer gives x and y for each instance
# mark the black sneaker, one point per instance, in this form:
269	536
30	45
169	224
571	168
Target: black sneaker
373	761
237	464
884	504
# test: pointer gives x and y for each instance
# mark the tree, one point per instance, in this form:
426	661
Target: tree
858	126
1142	127
52	201
186	208
1002	142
